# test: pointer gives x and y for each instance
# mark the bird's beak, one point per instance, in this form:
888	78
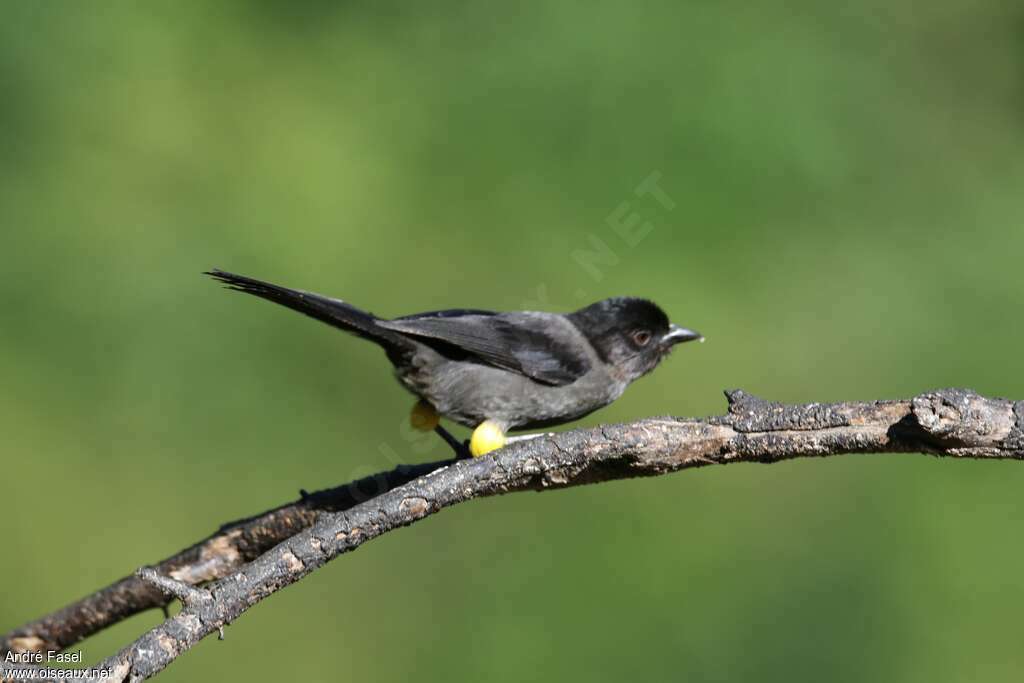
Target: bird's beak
678	335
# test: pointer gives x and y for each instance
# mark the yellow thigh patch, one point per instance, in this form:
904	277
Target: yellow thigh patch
487	437
424	417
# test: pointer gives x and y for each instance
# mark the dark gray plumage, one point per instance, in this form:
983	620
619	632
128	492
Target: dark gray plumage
520	370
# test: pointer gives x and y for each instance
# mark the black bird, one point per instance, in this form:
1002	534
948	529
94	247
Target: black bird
499	372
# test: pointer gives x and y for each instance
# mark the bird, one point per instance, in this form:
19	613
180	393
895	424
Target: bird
499	372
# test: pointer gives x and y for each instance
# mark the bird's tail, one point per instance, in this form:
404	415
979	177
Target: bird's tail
334	312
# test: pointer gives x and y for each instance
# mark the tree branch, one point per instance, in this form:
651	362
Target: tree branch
950	422
215	557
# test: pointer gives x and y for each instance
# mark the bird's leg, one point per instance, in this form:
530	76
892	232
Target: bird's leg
462	451
424	418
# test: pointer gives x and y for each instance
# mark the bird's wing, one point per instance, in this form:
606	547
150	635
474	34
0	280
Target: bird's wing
518	342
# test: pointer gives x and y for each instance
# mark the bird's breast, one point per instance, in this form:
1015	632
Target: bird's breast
470	393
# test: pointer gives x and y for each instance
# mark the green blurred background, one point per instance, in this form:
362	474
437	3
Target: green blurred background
847	224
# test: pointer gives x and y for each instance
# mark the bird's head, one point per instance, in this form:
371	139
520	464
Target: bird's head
632	335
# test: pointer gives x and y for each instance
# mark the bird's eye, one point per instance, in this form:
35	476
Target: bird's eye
642	337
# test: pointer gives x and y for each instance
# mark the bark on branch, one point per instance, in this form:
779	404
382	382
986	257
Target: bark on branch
950	422
215	557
